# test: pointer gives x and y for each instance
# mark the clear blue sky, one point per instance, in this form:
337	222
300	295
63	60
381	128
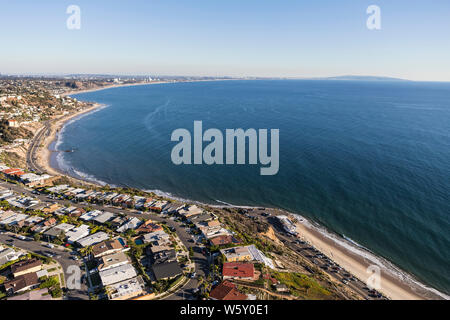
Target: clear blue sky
295	38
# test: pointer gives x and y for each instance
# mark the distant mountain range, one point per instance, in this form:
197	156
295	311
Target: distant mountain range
364	78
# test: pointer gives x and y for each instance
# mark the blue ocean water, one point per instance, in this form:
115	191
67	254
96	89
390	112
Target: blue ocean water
370	160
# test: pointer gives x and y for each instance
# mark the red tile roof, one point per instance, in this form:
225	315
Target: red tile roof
18	173
227	291
11	170
238	270
223	240
148	227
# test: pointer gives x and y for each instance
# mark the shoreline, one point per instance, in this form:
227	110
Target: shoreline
353	258
395	283
112	86
67	94
43	156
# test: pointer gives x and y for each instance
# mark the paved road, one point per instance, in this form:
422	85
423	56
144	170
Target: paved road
307	252
62	257
200	260
34	145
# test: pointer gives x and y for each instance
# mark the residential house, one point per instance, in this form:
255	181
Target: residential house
104	217
156	249
214	230
106	248
9	254
247	253
88	216
132	223
201	218
170	208
223	240
77	233
157	238
238	270
164	256
189	211
45	225
139	202
166	270
157	205
117	221
127	289
93	239
26	266
112	261
50	208
32	220
237	254
12	218
59	230
21	283
226	291
117	274
148	227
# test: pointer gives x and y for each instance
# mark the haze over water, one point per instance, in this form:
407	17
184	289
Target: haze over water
369	160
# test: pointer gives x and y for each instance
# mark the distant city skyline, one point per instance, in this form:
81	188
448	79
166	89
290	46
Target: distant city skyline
293	39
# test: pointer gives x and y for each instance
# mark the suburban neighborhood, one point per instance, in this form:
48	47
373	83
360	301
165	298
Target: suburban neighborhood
132	245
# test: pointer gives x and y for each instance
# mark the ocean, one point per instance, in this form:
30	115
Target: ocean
369	160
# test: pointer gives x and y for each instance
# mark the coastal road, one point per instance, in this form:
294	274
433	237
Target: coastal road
61	256
312	255
34	146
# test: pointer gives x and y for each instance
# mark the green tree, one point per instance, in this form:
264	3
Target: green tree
37	237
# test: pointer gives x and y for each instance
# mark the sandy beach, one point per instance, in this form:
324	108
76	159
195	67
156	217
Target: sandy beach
44	153
110	87
69	93
393	283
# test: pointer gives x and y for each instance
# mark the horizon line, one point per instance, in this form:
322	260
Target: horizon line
130	75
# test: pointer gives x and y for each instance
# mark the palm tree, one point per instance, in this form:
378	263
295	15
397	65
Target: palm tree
86	251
